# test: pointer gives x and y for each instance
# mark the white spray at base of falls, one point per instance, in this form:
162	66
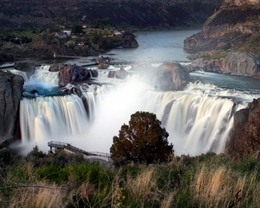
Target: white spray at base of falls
196	120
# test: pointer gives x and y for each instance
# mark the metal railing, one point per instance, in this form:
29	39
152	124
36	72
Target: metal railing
68	146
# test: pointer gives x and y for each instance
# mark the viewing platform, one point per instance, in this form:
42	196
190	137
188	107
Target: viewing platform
89	155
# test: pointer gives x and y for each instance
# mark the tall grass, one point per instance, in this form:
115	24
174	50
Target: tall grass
204	181
223	188
41	195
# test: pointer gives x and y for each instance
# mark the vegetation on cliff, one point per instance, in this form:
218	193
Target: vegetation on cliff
73	41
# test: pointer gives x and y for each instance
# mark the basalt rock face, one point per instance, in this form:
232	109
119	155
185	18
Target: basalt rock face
73	73
234	25
245	136
138	13
11	87
234	63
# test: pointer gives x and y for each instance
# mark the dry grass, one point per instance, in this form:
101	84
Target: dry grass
143	188
84	192
48	196
224	188
168	200
141	185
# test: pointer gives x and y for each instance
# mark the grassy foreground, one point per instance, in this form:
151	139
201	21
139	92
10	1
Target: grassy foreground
68	180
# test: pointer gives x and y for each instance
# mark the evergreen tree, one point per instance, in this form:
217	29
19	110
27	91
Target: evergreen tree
142	141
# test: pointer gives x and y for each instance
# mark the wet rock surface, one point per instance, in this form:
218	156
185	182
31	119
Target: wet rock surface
11	87
245	135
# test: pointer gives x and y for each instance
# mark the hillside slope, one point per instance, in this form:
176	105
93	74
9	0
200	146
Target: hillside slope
137	13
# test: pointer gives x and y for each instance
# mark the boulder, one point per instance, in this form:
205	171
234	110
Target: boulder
11	87
171	76
74	73
119	74
103	62
168	76
54	67
129	41
245	136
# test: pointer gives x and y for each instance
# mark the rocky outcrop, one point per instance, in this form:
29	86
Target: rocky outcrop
245	135
234	25
119	74
74	73
241	2
171	76
234	63
11	87
129	41
167	77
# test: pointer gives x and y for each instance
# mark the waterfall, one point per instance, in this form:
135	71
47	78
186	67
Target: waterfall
196	123
58	118
198	119
20	73
17	72
42	75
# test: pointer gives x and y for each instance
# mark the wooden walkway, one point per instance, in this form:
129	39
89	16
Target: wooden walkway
67	146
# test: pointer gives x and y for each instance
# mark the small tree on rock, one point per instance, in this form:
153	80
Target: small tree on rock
142	141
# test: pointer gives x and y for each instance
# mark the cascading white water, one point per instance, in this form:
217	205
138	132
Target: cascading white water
43	75
198	119
20	73
59	118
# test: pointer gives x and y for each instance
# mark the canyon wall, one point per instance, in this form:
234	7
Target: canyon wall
235	25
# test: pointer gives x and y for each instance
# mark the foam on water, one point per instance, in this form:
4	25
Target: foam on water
198	119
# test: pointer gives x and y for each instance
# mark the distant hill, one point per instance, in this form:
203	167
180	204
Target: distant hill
123	13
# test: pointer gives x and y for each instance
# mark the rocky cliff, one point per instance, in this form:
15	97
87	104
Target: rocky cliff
137	13
245	136
234	25
234	63
241	2
11	87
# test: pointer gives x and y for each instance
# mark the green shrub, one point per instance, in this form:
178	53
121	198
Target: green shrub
53	174
93	173
35	154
